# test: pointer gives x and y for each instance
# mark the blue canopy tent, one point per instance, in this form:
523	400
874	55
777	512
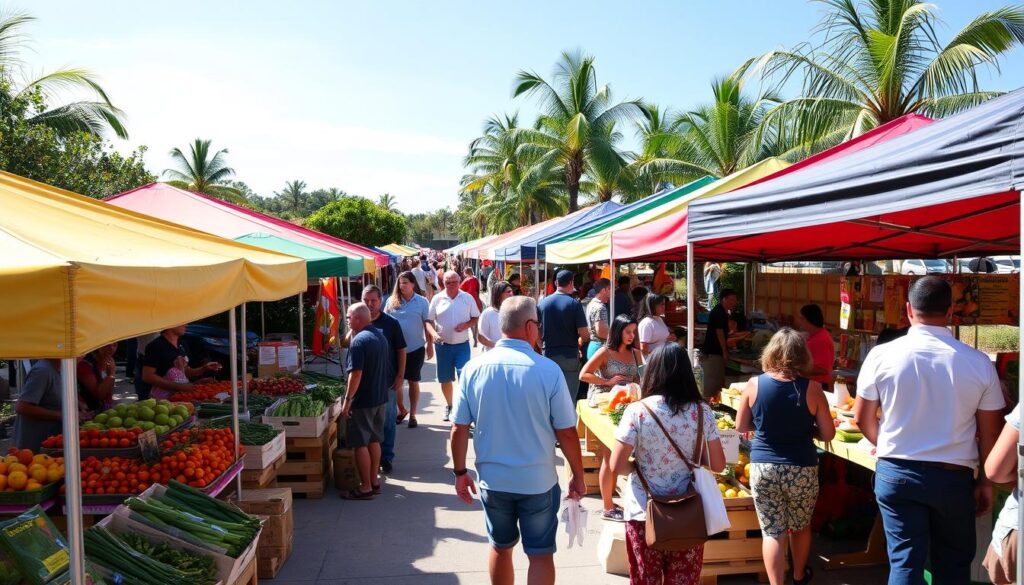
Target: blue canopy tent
530	248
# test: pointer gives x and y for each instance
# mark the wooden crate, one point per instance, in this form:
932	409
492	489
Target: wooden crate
738	550
308	463
248	575
301	426
269	566
259	457
263	478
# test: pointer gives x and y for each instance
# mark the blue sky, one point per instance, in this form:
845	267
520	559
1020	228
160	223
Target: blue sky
377	97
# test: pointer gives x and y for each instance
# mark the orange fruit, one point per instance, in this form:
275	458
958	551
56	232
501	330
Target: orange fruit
42	458
53	474
32	485
37	472
17	480
3	467
11	459
3	482
18	467
25	457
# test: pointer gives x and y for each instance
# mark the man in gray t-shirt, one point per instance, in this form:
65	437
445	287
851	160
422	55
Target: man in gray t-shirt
38	406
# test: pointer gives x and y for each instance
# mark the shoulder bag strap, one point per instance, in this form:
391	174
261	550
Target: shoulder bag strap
679	451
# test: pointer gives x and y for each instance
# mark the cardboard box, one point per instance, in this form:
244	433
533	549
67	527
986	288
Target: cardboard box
346	476
263	456
277	533
268	502
299	426
277	356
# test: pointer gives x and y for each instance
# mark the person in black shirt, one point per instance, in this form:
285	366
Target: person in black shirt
715	352
161	353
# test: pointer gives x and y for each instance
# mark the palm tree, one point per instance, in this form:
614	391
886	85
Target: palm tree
294	195
202	173
518	181
577	111
94	117
879	60
386	202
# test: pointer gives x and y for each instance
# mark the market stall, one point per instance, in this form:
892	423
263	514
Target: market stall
78	274
400	250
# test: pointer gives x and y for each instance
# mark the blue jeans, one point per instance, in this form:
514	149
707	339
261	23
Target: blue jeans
928	514
535	515
387	446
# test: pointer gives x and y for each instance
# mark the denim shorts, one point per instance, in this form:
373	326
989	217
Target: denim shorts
535	515
450	360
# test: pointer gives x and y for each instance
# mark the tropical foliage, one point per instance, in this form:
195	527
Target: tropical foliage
203	172
872	62
359	220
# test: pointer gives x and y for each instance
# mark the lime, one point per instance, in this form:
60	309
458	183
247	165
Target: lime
129	423
115	422
161	409
181	411
146	413
162	419
101	418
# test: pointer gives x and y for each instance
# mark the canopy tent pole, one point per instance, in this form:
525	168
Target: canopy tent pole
263	320
245	362
19	375
536	278
302	335
233	359
691	317
1020	438
341	319
611	297
72	470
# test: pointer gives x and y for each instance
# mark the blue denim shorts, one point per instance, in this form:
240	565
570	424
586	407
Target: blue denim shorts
450	360
535	515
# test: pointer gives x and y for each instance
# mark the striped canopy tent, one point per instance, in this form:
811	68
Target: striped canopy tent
230	221
530	248
491	249
400	250
597	246
320	263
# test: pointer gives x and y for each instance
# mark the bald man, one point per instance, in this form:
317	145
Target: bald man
366	398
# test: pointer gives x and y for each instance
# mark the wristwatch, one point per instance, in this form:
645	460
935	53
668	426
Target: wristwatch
460	472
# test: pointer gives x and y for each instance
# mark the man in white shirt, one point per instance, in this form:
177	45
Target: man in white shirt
425	277
452	313
936	396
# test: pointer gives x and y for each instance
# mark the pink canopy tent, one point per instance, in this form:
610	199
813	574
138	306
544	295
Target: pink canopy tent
230	221
665	239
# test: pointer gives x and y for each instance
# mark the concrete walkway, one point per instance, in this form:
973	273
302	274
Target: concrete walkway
418	532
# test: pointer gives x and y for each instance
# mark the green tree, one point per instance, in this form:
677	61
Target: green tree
202	172
293	197
872	62
386	202
573	129
359	220
37	101
659	138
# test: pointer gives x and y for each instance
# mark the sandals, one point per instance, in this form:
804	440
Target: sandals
412	422
808	575
401	416
376	490
358	495
613	515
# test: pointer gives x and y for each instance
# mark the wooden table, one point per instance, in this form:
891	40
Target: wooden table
874	552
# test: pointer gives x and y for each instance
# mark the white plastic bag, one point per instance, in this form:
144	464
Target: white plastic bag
715	517
574	516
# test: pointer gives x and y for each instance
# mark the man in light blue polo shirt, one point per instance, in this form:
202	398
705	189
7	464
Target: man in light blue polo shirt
520	405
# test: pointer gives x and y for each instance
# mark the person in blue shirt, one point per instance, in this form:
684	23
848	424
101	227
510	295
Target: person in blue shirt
366	398
564	327
520	406
412	310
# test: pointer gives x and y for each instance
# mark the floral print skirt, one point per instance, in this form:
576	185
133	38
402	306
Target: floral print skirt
655	567
784	496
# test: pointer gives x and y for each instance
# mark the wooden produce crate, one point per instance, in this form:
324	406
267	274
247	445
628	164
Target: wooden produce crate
736	551
591	469
248	574
308	463
263	478
263	456
309	427
269	566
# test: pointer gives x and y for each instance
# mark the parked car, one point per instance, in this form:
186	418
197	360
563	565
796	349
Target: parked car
922	267
1007	264
210	342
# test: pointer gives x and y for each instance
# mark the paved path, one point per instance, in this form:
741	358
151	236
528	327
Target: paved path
418	532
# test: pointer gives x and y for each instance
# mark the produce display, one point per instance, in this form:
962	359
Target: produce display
299	405
206	519
281	386
196	456
198	567
158	415
36	548
205	392
24	471
116	475
724	421
117	555
734	482
327	393
97	439
250	433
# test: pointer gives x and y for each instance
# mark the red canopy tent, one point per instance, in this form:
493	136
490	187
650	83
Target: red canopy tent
665	239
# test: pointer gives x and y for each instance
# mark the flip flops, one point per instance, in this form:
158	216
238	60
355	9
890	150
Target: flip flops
401	416
358	495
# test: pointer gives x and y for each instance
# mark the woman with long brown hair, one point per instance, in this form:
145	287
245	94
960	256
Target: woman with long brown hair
411	309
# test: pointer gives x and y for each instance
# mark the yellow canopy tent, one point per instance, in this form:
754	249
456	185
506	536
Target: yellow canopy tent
597	247
400	250
76	273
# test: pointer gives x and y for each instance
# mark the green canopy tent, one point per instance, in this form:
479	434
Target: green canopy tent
320	263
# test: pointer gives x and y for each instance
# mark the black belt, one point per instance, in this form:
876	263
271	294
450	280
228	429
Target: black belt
934	465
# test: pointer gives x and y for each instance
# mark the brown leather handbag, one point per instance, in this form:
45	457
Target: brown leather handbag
676	522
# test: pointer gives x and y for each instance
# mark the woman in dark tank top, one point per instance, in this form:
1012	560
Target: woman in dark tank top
786	411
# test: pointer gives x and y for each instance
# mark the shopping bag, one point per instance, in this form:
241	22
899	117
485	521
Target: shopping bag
574	516
715	517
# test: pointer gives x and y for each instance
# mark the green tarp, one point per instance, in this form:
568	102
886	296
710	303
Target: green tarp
319	263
